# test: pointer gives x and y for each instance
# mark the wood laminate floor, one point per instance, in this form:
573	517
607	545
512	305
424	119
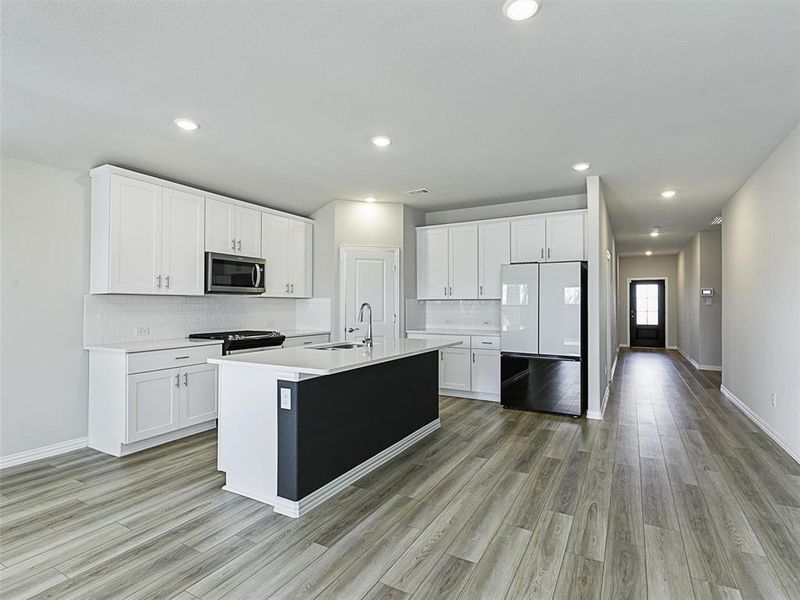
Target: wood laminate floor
675	495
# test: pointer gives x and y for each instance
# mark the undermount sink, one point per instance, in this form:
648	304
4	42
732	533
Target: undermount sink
339	346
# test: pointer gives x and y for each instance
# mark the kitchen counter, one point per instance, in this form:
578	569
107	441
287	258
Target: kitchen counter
292	333
455	331
298	425
310	360
151	345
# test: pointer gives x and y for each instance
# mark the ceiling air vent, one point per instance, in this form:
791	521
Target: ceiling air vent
717	220
418	192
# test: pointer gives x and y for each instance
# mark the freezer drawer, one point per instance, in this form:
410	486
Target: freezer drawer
542	384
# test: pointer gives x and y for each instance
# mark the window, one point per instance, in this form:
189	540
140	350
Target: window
647	304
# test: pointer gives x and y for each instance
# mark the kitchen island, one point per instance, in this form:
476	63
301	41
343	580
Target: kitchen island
298	425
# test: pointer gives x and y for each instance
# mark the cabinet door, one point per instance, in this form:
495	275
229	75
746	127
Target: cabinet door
565	237
528	239
220	227
560	309
248	232
183	234
432	278
463	262
454	369
274	249
198	394
135	237
153	404
299	263
494	250
486	371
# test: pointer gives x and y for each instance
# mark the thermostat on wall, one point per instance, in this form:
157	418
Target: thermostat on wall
707	292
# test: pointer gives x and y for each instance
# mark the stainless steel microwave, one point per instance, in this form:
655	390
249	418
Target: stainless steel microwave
228	274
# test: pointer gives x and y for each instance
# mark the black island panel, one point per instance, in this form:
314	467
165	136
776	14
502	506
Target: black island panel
336	422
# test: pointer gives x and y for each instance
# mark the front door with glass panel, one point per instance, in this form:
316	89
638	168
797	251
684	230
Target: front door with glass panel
647	313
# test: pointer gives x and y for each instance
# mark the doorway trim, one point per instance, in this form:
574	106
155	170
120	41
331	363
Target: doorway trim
667	345
342	283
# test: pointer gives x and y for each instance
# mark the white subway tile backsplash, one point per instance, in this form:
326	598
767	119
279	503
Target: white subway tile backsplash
472	314
110	319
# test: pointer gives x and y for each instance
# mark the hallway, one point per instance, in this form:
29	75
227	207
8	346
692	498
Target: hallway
674	495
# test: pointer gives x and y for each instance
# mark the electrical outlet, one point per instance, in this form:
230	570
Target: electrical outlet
286	399
141	331
774	398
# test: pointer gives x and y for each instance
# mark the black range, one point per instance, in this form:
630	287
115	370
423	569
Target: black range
246	340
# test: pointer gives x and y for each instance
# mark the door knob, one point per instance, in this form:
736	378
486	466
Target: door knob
352	329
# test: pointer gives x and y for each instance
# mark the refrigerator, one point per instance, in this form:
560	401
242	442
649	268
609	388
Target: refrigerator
543	337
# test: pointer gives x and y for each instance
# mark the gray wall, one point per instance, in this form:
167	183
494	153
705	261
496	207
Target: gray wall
638	267
45	260
761	274
507	209
700	324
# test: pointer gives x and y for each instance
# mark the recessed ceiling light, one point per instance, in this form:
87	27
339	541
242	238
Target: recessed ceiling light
519	10
649	253
668	194
369	199
186	124
381	141
655	233
580	166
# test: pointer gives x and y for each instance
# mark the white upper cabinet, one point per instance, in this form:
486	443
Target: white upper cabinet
232	229
565	235
146	239
248	232
462	248
133	242
286	246
432	263
548	238
528	239
182	243
494	246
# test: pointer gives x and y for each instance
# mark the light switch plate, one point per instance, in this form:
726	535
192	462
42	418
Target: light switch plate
286	398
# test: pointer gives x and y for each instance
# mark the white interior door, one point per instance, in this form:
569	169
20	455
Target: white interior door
370	275
183	243
519	309
560	309
463	261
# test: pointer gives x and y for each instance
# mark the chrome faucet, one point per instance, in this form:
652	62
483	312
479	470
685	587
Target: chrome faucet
368	339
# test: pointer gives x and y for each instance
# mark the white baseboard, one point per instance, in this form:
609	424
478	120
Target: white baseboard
295	509
27	456
597	415
765	427
696	364
671	347
469	395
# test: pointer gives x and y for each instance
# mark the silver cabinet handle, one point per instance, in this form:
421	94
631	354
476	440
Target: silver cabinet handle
548	253
542	253
450	291
292	286
441	355
186	379
473	357
181	357
233	244
178	380
445	290
487	343
240	246
481	291
307	343
167	281
158	281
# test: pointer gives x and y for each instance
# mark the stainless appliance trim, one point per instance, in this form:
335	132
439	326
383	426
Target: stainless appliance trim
257	263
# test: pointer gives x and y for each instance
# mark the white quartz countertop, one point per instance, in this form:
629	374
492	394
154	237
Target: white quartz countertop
455	331
149	346
293	333
308	359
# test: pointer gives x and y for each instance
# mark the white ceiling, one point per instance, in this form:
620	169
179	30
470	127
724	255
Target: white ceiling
685	95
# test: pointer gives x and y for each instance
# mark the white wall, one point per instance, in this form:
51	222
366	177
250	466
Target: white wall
602	259
507	209
761	274
700	324
638	267
45	248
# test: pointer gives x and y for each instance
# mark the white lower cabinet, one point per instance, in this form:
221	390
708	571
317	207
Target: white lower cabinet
141	399
486	371
454	369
